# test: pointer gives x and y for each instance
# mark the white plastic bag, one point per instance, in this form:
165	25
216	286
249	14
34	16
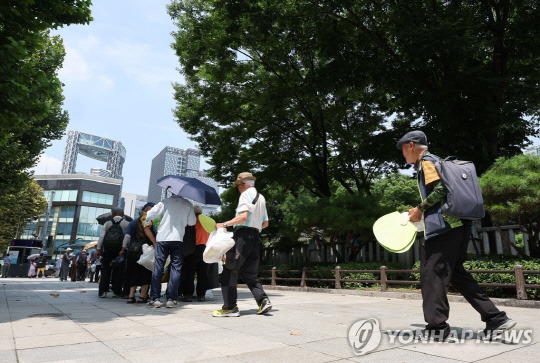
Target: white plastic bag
219	242
147	258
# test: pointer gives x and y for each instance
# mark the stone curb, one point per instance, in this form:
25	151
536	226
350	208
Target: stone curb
533	304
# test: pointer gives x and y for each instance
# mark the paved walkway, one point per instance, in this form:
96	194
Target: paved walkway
44	320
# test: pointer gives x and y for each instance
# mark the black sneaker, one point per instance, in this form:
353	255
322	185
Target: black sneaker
264	307
201	298
494	330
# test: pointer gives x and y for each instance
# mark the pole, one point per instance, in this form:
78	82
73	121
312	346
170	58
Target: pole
46	227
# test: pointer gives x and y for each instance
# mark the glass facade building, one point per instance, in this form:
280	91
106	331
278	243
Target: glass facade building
77	199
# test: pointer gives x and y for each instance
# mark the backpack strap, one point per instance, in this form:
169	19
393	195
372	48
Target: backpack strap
256	199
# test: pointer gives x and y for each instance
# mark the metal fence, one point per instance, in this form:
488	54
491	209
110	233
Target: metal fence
520	284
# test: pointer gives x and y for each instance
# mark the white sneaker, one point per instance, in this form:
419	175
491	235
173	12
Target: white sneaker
103	295
171	304
154	304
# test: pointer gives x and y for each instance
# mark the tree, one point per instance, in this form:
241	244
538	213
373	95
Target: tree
31	112
28	201
397	191
465	72
511	191
269	88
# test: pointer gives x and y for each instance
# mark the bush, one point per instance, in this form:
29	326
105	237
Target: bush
498	262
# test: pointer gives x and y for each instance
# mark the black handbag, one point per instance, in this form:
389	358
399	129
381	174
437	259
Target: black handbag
118	262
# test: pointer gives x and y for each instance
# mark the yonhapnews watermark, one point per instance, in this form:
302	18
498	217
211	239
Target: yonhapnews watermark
365	336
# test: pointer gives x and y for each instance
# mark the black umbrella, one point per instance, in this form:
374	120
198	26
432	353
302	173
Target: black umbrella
190	188
108	217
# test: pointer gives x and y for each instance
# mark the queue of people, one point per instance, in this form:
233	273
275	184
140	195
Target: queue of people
120	246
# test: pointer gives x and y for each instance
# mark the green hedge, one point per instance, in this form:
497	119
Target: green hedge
498	262
326	271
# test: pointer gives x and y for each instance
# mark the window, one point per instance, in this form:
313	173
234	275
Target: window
61	195
99	198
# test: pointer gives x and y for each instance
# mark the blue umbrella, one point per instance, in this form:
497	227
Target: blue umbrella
190	188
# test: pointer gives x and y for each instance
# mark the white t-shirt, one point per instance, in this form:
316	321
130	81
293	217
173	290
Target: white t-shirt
257	213
177	213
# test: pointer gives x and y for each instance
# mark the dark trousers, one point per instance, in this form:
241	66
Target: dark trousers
244	257
441	263
107	274
194	264
162	250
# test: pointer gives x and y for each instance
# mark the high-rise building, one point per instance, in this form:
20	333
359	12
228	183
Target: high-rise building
174	161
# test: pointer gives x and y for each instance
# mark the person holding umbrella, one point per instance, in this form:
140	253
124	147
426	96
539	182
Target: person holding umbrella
176	213
251	218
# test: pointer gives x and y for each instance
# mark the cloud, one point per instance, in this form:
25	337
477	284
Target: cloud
47	165
75	67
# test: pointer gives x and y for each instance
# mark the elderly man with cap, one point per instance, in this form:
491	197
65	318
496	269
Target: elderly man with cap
138	233
443	249
64	267
109	246
251	217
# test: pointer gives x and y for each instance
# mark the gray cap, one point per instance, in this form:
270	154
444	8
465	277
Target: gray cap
417	136
117	210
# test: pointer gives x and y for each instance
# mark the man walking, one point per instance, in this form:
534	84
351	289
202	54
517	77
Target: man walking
64	267
251	217
177	213
110	244
443	249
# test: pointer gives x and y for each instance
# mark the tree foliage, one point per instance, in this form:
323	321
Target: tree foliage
397	191
511	191
466	71
268	89
28	201
312	95
31	112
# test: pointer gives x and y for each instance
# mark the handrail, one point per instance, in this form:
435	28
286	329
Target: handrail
520	285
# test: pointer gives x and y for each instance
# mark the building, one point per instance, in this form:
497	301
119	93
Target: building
132	203
95	147
76	200
533	150
174	161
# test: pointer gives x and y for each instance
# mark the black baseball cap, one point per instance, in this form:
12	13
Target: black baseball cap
416	136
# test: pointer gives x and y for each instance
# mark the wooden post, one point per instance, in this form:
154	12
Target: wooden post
520	283
274	276
304	276
338	277
384	279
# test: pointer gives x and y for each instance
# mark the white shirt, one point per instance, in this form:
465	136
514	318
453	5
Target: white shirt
257	213
177	213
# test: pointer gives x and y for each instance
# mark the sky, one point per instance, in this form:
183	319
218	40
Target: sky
118	72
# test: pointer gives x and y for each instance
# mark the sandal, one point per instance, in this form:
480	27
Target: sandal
131	300
143	300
